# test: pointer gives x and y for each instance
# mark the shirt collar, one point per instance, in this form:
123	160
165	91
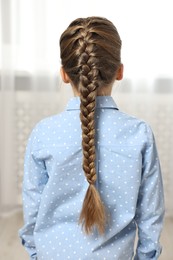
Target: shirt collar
101	102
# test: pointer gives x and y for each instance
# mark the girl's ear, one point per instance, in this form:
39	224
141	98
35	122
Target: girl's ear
119	74
64	76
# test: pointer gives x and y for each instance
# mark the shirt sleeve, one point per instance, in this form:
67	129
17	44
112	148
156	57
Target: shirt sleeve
34	181
150	206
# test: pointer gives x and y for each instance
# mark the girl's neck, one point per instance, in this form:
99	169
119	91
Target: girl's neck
104	91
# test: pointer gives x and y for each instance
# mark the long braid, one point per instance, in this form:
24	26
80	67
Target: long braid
90	54
93	212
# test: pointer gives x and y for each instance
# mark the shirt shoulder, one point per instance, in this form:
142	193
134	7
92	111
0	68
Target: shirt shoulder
43	127
138	125
48	122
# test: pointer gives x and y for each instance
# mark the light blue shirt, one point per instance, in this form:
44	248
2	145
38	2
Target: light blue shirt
128	179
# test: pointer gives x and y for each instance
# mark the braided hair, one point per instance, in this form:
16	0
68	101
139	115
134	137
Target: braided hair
90	55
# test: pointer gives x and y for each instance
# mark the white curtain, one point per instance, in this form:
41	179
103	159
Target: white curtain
31	88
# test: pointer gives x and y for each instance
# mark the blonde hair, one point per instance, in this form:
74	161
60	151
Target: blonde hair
90	55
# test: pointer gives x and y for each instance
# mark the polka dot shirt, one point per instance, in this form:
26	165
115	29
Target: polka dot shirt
128	179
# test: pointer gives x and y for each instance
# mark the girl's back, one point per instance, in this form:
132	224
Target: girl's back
121	142
92	174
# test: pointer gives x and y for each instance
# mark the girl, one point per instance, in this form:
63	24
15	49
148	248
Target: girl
92	175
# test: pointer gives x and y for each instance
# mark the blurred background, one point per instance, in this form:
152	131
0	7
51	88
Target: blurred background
30	88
